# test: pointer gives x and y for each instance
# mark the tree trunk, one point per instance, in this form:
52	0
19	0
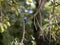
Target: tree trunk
37	24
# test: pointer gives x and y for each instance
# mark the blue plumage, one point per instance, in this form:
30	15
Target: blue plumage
25	20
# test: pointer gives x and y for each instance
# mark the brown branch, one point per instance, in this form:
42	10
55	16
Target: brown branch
57	4
40	6
33	15
35	24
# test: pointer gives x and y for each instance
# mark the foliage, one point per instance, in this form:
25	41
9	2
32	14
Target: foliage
16	13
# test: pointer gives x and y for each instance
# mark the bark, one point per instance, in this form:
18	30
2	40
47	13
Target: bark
37	24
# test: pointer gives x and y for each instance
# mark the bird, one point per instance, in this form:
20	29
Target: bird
25	20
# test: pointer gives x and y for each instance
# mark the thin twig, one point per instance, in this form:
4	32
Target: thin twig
35	24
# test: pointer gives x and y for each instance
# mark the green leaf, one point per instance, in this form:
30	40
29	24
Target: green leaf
7	23
33	6
30	1
2	29
5	26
